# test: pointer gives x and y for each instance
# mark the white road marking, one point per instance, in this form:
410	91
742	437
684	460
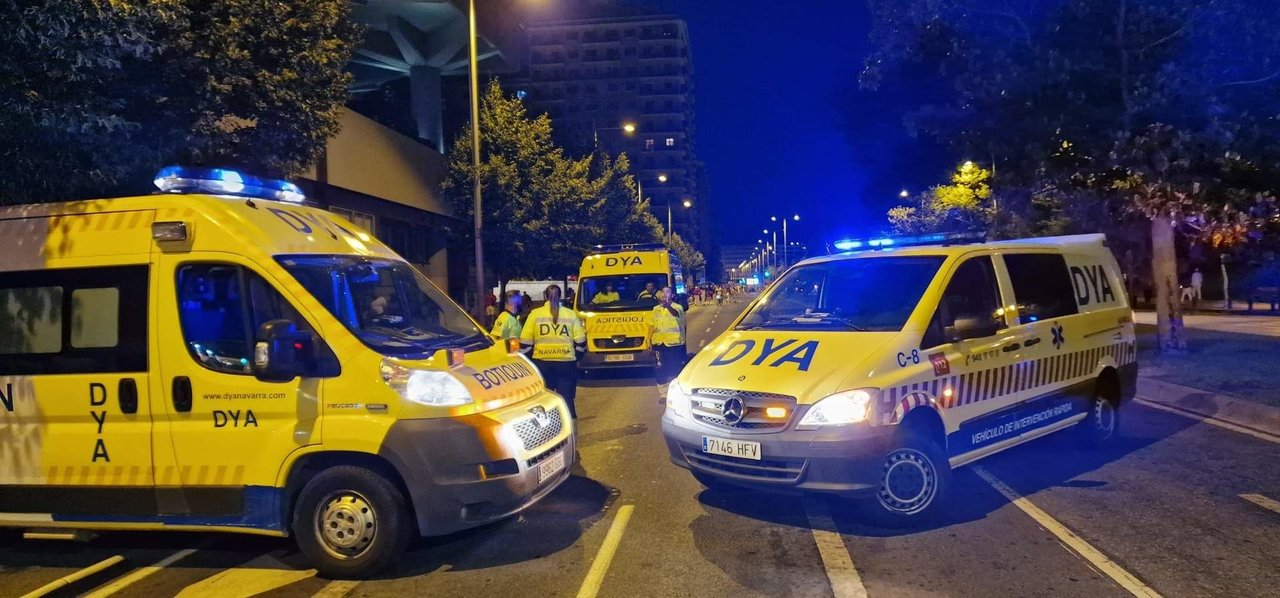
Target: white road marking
600	566
1095	557
702	343
1226	425
257	576
139	574
844	578
708	329
1262	501
73	577
336	589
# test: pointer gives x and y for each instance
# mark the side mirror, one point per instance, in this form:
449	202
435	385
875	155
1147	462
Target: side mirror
281	351
970	326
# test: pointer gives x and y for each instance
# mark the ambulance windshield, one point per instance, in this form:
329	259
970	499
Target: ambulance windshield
626	292
387	304
874	294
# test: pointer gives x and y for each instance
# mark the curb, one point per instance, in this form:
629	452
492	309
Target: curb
1239	412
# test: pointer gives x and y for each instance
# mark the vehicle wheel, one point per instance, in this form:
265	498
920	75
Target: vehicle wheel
351	522
915	482
711	482
1101	426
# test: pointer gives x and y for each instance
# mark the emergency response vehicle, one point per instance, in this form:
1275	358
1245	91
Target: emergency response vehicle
875	372
222	356
618	288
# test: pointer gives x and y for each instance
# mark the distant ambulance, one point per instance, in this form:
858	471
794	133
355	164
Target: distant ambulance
618	288
874	373
222	357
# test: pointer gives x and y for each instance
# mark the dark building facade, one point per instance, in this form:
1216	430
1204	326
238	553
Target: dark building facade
597	77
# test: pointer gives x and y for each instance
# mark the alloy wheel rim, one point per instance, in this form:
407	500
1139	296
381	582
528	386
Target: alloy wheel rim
346	524
1104	417
910	482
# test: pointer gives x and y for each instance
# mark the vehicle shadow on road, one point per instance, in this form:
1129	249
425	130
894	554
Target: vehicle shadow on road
617	378
1052	461
552	524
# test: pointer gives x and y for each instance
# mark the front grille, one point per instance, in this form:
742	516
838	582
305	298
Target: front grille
707	405
774	470
620	342
547	453
533	435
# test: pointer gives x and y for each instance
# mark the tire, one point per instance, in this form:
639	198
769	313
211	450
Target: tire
356	495
711	482
1101	427
915	484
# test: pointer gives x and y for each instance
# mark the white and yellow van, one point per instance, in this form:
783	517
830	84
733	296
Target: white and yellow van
875	372
617	290
224	357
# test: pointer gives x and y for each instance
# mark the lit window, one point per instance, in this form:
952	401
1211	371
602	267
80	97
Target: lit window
671	142
648	144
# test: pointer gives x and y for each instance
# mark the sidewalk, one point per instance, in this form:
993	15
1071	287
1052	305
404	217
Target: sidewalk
1238	412
1237	322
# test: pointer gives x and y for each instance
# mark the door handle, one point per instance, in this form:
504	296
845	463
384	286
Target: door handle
128	395
182	394
1011	347
1035	340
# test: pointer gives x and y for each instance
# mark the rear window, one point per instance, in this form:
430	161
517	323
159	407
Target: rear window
1041	286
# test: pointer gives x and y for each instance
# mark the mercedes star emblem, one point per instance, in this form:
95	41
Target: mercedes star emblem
734	410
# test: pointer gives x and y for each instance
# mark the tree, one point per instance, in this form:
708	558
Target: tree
98	94
1098	112
963	205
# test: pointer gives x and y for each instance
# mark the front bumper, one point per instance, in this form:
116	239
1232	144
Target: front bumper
468	471
844	460
593	360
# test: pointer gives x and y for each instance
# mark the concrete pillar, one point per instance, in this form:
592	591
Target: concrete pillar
426	98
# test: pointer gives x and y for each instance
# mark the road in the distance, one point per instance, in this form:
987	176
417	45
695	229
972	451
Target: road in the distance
1165	508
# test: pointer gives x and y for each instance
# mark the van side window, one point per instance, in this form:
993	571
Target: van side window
1041	286
73	321
221	307
971	293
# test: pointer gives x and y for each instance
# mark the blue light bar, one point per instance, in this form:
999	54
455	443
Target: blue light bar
221	181
911	241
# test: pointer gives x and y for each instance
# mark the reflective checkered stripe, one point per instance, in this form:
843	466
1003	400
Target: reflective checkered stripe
982	385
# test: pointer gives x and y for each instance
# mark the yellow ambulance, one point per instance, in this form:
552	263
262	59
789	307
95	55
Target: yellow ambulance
617	290
222	356
873	373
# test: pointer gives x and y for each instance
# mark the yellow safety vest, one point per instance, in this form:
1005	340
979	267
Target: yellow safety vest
553	340
668	330
507	326
606	297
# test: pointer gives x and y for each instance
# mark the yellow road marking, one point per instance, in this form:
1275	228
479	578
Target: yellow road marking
71	578
844	578
1262	501
1095	557
139	574
600	566
1226	425
259	575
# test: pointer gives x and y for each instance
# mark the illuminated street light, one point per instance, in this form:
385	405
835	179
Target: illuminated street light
628	128
904	194
662	178
688	204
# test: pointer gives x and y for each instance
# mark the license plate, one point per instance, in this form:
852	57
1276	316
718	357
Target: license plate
622	357
743	449
550	466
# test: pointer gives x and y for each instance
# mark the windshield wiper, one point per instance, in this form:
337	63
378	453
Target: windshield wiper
827	319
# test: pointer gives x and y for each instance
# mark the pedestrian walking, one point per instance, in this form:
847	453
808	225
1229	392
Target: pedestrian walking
1197	287
553	337
667	336
507	326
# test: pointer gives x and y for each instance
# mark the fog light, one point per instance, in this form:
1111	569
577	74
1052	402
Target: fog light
775	412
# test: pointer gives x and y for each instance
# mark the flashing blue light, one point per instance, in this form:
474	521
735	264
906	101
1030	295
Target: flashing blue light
913	240
1032	318
221	181
847	244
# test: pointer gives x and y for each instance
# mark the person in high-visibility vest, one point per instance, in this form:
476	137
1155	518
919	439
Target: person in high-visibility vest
666	335
553	337
507	326
608	295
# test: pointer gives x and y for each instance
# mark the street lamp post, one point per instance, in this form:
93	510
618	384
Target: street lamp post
477	220
687	204
796	217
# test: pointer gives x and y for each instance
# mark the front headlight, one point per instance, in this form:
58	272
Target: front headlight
677	400
840	409
426	387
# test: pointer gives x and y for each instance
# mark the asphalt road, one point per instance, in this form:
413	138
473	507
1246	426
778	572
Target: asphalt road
1179	508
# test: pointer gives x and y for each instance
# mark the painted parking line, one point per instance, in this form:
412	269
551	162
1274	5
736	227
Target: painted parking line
73	577
841	573
260	575
139	574
336	589
1086	551
600	565
1226	425
1262	501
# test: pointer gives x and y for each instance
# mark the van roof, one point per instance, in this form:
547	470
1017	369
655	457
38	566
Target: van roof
1059	242
120	226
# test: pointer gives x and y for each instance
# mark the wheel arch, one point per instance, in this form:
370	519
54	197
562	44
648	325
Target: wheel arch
307	466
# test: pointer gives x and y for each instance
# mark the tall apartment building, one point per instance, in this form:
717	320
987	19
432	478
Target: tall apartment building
594	77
